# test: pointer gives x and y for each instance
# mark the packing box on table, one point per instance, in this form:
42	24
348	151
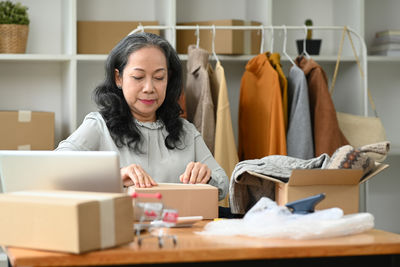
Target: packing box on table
99	37
65	221
26	130
187	199
229	42
341	186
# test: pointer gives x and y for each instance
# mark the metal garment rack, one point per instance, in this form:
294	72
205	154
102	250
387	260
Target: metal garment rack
362	53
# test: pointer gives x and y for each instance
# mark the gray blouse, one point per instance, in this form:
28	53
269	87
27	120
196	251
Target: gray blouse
162	164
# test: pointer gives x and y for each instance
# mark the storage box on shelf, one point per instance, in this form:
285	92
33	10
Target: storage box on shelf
26	130
99	37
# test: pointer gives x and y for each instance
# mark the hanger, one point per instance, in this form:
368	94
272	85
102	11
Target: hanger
272	38
304	44
197	33
262	39
213	43
140	27
284	45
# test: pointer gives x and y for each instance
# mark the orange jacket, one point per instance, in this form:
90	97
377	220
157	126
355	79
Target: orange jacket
261	122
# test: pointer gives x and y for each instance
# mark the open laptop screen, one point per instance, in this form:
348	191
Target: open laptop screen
96	171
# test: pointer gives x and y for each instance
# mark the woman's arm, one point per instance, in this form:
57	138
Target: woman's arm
218	176
88	136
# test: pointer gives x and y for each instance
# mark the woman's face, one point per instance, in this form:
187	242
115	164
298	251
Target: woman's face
144	82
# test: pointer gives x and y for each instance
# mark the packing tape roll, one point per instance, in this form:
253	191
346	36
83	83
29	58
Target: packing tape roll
107	226
24	115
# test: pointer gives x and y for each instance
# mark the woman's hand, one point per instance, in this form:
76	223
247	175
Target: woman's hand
196	173
135	175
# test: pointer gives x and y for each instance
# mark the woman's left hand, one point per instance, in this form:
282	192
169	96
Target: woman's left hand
196	173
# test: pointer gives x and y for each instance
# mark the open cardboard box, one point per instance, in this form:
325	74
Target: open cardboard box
187	199
341	186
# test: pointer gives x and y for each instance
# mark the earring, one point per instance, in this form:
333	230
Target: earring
119	87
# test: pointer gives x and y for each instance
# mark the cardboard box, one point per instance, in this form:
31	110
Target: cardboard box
26	130
341	186
188	199
229	42
99	37
66	221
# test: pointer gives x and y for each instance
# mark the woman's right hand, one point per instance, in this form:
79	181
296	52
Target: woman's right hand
135	175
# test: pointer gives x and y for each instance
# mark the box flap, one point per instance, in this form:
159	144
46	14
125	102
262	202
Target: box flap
177	186
325	177
378	168
269	178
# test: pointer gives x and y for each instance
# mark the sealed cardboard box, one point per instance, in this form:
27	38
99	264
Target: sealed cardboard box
188	199
26	130
341	186
229	42
65	221
99	37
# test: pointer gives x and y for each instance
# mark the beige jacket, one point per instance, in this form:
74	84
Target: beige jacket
199	104
225	151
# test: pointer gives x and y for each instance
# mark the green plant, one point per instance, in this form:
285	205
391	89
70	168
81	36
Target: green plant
13	13
309	22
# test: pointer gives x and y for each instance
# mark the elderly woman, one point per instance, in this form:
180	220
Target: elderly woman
139	117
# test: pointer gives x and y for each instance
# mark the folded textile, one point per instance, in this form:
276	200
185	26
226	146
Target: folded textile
348	157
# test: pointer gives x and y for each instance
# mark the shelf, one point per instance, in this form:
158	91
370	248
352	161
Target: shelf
34	57
86	57
246	58
383	59
183	57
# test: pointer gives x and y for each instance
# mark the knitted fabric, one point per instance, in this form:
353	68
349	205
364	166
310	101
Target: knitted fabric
348	157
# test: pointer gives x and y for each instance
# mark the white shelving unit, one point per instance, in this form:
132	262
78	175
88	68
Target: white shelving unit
51	76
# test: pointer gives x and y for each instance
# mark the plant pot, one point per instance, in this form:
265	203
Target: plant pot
13	38
312	46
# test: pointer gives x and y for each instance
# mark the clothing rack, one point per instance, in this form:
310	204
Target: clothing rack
362	53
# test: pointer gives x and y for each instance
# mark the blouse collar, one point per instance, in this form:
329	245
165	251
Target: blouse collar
150	125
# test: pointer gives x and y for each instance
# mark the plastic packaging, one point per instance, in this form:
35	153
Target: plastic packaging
267	219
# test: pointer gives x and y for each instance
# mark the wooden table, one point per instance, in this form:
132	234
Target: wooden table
192	247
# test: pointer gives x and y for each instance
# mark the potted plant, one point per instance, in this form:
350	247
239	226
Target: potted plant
14	27
312	45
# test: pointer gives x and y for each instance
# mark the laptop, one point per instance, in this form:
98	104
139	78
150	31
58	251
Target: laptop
96	171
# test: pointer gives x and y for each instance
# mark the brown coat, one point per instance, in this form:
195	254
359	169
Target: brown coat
327	135
199	103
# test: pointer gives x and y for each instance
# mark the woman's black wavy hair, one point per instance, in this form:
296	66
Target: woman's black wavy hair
113	106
